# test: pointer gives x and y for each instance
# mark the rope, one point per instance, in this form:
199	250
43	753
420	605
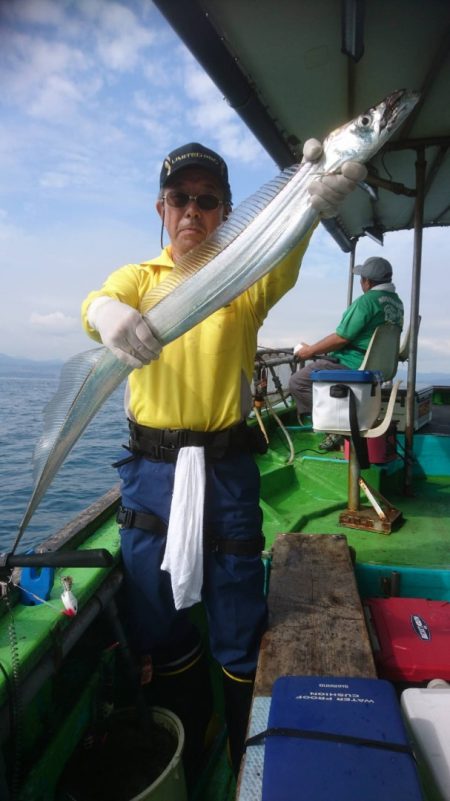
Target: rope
284	430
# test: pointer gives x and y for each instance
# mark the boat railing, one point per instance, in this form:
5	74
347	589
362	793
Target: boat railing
94	557
272	370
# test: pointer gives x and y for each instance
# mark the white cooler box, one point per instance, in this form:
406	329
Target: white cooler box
427	712
331	399
423	399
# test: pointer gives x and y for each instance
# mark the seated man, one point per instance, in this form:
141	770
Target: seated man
345	349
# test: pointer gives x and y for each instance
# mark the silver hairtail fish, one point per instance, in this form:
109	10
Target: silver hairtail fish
257	236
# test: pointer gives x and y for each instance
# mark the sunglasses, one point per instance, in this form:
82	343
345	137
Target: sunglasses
179	200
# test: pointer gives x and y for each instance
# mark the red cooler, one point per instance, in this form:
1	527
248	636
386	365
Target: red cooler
410	638
379	449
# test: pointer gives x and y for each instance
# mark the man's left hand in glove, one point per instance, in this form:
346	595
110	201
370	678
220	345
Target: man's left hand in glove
329	191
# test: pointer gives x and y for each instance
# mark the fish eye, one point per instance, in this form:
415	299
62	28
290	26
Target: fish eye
365	120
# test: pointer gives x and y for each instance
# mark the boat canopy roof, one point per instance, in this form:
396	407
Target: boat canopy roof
295	70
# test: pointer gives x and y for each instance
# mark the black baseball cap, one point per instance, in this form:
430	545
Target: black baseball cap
195	155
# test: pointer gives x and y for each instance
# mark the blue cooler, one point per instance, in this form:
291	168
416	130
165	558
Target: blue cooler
331	399
341	739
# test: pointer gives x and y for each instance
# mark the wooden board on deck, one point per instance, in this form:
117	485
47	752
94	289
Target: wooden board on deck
316	621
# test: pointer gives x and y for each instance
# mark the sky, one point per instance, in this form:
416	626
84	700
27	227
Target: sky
93	95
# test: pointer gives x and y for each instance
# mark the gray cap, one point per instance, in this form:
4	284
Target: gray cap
375	269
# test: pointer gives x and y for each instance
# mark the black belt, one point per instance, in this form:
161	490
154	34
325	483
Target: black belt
163	444
129	518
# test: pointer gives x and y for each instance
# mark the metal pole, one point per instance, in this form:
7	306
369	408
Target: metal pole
354	474
414	316
351	265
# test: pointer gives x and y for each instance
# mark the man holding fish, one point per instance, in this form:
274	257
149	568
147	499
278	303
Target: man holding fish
191	452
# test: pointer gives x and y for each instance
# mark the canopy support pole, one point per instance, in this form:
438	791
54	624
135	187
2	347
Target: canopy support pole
350	276
414	317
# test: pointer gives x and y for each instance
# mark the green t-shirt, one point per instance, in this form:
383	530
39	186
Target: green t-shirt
375	307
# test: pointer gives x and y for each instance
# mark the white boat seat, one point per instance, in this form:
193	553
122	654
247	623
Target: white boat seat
404	345
381	356
383	351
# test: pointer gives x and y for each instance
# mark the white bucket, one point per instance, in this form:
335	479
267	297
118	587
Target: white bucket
170	785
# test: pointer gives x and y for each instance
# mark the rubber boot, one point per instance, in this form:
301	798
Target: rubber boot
186	690
238	693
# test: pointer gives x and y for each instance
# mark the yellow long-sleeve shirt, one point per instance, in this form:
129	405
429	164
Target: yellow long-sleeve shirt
201	380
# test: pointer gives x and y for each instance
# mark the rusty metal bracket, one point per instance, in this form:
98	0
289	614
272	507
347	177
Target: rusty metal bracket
380	516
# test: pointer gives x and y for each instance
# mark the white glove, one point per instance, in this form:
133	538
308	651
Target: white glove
124	331
329	191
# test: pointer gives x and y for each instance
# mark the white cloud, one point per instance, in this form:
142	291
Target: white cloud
55	180
29	60
439	348
7	229
212	116
119	35
76	169
54	323
151	117
47	78
93	95
58	98
158	73
40	12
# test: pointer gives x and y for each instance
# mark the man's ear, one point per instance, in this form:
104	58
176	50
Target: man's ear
226	212
160	207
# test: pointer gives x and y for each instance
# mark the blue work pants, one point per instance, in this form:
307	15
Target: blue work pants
233	586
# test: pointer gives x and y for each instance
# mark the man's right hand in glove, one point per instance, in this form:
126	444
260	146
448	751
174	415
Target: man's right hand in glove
124	331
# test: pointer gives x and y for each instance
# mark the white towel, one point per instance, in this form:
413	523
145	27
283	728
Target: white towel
183	557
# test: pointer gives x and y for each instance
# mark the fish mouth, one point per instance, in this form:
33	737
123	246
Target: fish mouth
397	107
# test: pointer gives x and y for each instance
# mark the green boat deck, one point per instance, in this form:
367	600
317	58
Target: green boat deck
302	490
308	495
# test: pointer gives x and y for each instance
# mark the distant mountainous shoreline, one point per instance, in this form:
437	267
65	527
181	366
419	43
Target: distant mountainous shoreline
11	366
436	379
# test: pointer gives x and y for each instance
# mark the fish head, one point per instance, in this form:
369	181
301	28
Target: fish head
365	135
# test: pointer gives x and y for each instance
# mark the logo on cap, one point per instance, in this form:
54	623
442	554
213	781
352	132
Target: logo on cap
195	154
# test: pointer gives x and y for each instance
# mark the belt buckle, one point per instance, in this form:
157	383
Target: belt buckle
125	517
171	439
167	454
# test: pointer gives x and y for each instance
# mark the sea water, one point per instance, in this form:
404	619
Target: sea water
86	474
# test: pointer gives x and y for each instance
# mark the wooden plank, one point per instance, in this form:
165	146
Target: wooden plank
316	621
